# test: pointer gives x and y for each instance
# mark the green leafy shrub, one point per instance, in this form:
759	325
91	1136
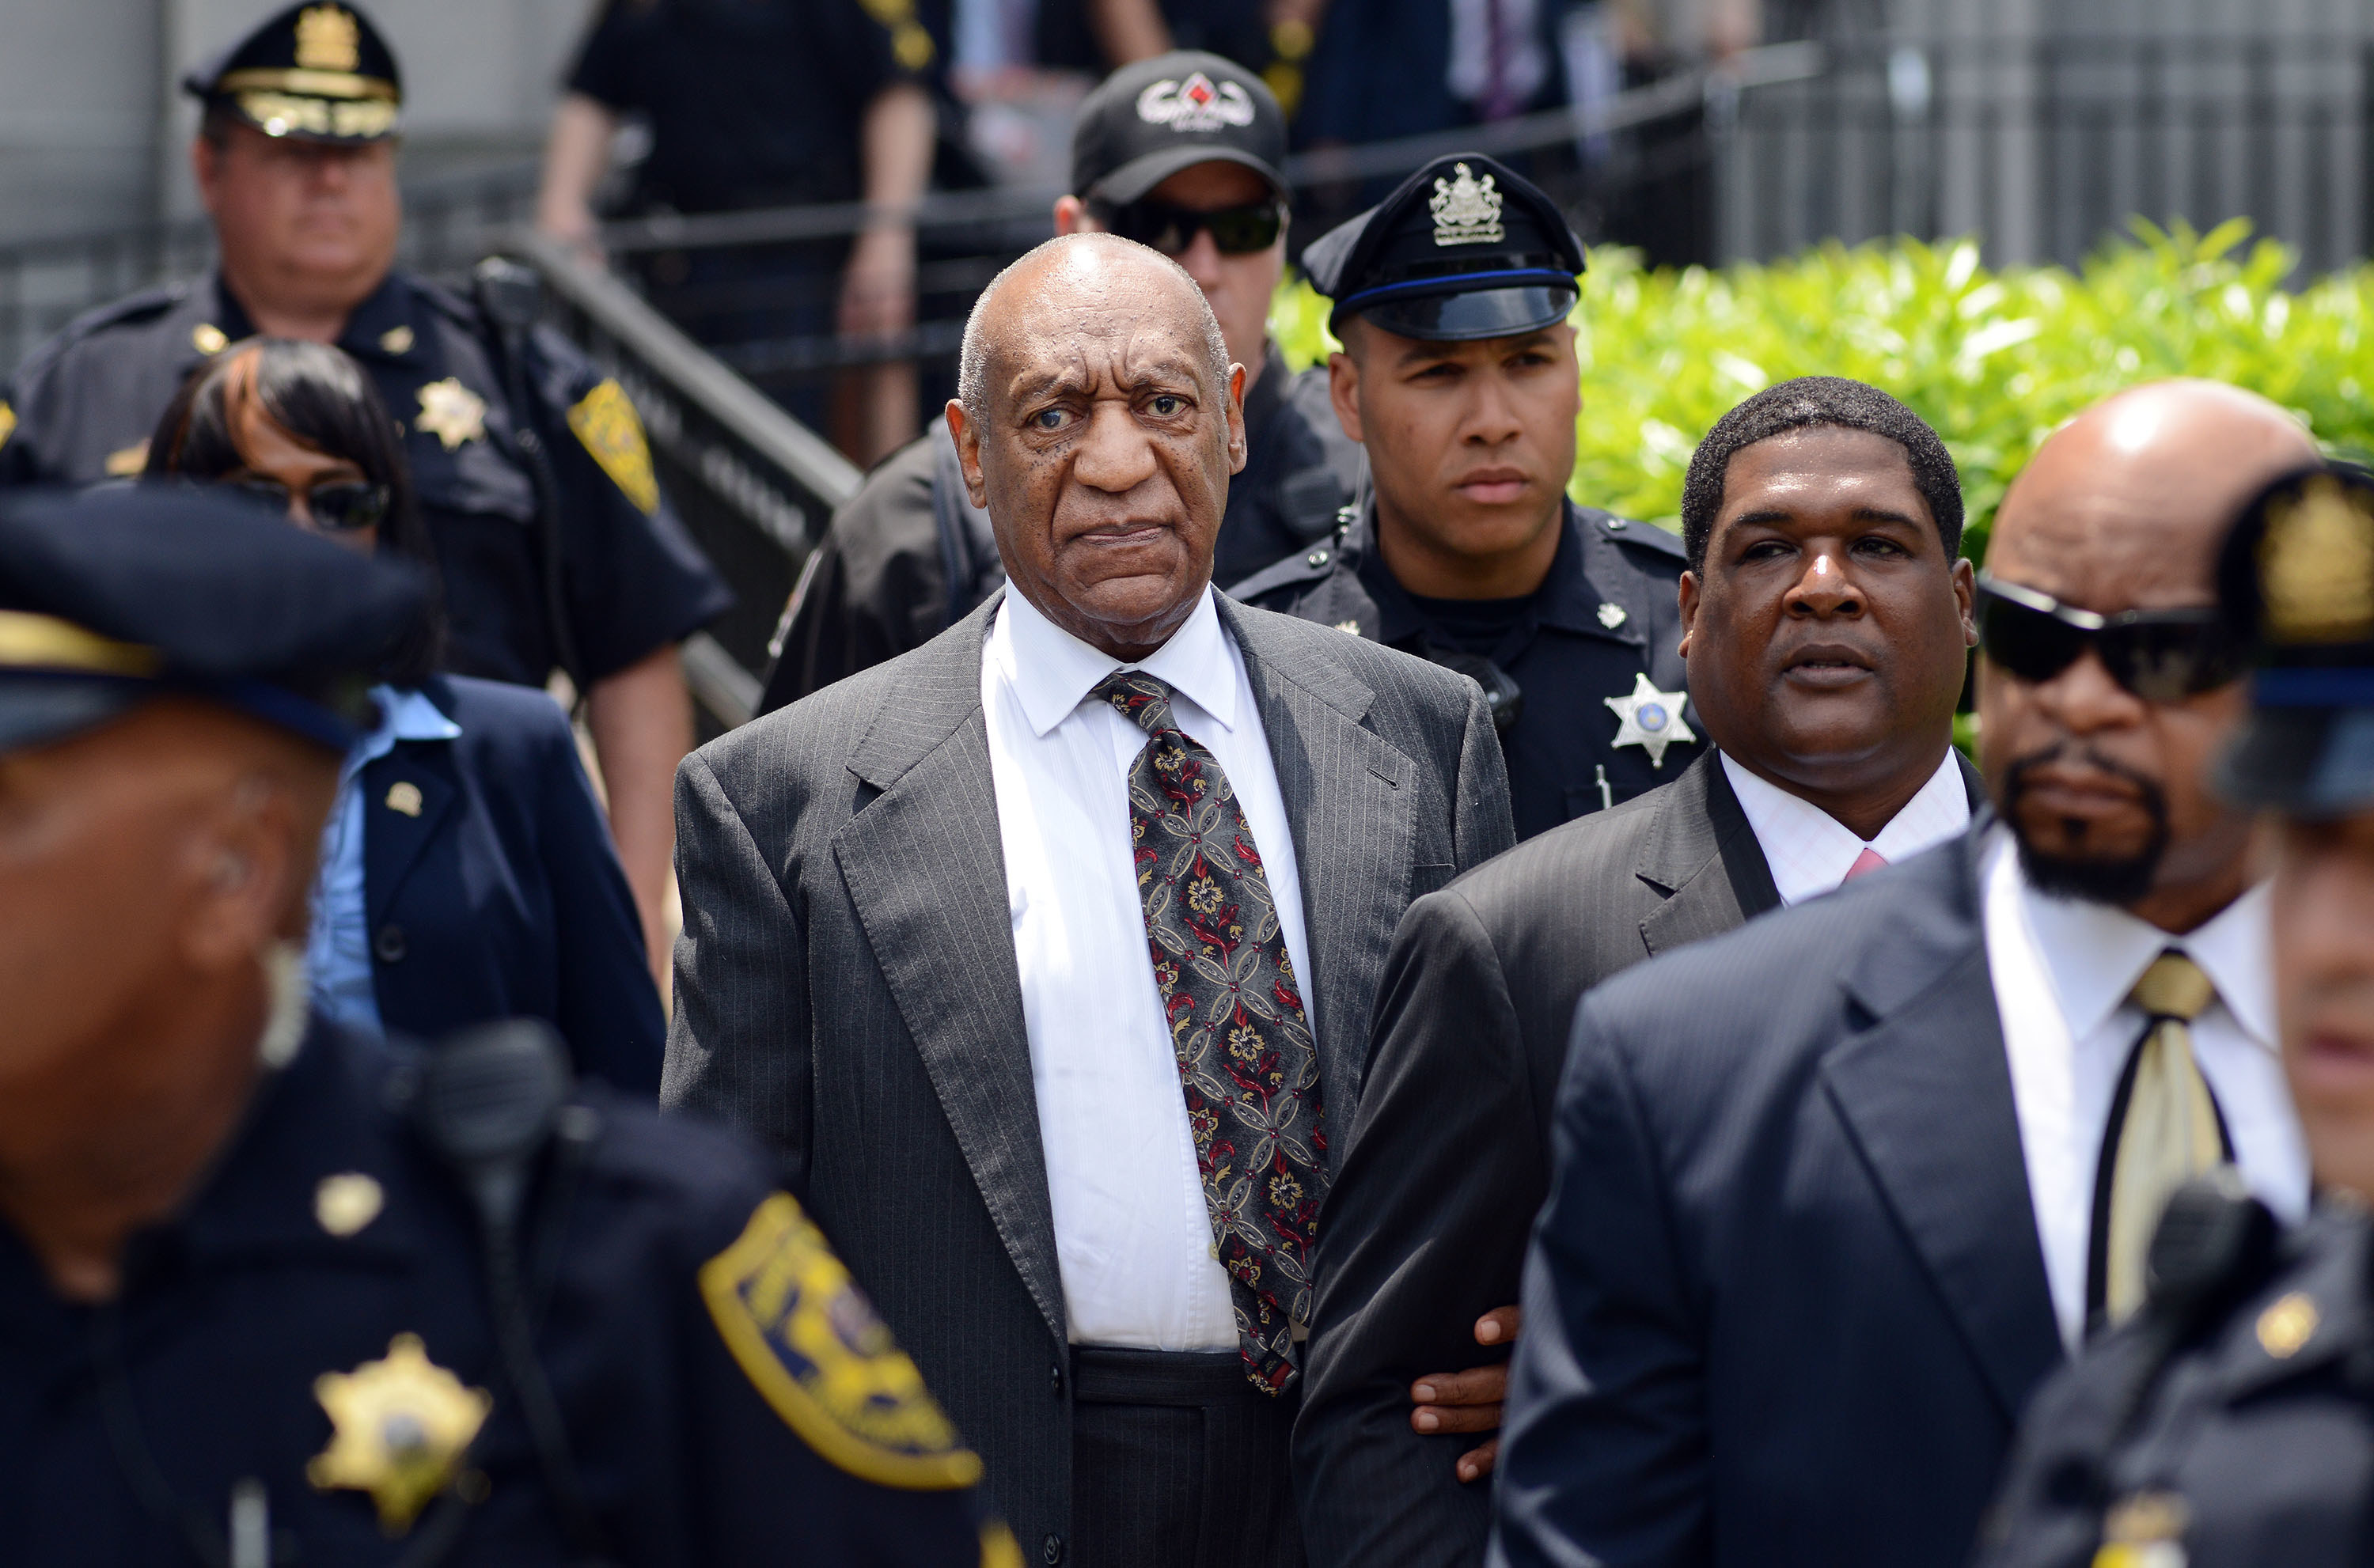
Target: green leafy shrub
1994	360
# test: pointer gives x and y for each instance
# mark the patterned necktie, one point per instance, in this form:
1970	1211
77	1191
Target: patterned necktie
1247	1062
2163	1131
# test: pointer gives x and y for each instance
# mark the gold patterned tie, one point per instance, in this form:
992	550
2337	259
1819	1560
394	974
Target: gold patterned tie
2164	1130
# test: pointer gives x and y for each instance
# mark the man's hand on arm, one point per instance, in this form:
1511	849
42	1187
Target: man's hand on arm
1470	1400
642	721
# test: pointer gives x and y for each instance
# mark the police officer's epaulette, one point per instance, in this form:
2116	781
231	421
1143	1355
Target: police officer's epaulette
1303	565
133	310
1638	535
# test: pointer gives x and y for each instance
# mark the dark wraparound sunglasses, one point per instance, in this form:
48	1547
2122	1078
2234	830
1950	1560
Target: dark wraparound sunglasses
342	505
1237	231
2159	655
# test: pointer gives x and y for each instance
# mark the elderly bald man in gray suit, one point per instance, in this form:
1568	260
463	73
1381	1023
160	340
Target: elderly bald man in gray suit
1045	953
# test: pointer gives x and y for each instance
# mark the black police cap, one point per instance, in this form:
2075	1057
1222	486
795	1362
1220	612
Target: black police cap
1466	249
131	591
1147	122
318	72
2296	581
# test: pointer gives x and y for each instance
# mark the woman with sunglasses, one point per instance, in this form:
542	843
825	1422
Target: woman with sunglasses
466	871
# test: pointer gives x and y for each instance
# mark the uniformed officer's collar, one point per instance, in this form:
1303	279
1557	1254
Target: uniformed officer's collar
315	1119
1566	597
2309	1315
382	327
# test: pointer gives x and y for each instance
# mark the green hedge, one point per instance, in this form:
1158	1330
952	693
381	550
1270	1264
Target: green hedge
1996	360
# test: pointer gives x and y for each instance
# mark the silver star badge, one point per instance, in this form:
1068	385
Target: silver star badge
451	412
1651	720
1611	615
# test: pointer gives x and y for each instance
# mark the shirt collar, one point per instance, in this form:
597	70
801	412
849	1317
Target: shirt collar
1810	851
404	715
2095	953
1053	672
365	334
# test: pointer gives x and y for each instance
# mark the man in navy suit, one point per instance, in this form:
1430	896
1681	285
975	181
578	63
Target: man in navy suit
1835	1191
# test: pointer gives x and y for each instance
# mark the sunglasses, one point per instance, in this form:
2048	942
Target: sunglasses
1235	231
2159	655
341	506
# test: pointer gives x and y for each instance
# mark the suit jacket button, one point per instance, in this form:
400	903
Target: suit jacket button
388	944
1055	1379
1050	1550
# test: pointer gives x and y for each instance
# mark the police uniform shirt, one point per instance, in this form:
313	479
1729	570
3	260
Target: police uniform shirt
1606	615
83	404
728	1397
752	102
2252	1446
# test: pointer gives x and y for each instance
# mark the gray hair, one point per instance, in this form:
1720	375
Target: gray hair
972	358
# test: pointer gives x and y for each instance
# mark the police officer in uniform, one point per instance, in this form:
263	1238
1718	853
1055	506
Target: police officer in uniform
2231	1422
1458	374
1179	152
556	547
271	1292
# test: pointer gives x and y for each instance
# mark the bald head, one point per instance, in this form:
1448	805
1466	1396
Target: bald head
2124	506
1060	274
1098	422
2123	509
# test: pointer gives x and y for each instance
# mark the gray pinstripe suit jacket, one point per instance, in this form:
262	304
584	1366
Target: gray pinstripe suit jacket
846	983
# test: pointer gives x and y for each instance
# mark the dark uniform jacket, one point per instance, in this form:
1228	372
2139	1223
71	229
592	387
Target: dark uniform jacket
492	890
2252	1446
630	579
1449	1160
1786	1301
328	1231
1608	612
909	556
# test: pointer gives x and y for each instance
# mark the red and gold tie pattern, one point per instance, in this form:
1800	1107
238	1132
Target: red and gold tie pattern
1247	1062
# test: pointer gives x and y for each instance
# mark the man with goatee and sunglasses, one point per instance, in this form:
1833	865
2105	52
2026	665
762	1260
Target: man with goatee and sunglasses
1837	1191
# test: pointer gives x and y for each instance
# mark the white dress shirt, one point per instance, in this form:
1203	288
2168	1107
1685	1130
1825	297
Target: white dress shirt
1132	1229
2061	969
1811	852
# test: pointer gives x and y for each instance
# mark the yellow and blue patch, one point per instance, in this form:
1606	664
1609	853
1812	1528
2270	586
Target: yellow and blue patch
606	422
815	1348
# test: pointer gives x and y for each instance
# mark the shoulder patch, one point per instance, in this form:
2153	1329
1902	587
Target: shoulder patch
606	421
812	1345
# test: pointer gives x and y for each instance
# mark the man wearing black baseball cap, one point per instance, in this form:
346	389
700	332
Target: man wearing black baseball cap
1181	152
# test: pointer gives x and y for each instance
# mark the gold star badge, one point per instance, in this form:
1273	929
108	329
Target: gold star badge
403	796
396	340
1351	627
208	338
451	412
1650	720
399	1427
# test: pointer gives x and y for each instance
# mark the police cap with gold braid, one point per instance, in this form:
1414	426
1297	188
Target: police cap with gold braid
1466	249
2297	581
129	592
318	72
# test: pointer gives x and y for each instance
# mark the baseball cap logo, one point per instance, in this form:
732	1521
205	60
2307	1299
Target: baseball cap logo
1196	104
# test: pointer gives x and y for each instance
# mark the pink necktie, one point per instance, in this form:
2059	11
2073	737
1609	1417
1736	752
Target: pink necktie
1868	860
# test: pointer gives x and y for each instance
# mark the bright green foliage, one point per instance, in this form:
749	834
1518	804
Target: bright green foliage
1996	360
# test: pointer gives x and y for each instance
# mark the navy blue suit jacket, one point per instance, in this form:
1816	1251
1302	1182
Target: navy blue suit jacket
501	895
1786	1300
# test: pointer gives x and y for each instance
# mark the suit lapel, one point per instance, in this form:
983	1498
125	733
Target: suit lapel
1348	804
925	869
1703	855
406	795
1926	1094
